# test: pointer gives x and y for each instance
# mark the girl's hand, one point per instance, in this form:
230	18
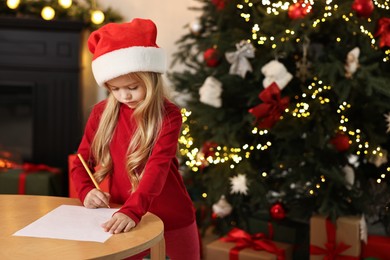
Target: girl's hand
118	223
97	199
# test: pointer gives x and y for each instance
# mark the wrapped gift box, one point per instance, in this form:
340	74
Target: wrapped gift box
345	236
286	231
377	247
34	183
221	250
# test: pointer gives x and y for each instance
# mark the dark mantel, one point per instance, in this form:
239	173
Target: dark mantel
37	23
44	57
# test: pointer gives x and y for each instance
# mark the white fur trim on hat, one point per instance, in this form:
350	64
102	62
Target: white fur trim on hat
123	61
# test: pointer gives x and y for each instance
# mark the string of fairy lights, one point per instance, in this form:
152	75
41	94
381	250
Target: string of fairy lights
275	8
224	154
316	91
195	159
48	12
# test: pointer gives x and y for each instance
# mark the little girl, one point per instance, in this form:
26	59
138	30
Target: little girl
132	137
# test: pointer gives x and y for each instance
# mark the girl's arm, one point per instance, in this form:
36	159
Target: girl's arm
157	167
80	177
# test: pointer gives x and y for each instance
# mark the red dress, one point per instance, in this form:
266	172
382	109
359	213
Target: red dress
161	189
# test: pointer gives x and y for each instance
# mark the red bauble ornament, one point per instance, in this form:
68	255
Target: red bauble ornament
211	57
341	142
298	10
363	8
277	211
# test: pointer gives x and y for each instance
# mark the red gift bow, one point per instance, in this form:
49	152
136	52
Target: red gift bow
331	250
383	31
30	168
269	112
257	241
270	231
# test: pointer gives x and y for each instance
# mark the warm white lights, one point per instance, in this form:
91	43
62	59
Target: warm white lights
48	13
65	3
13	4
97	17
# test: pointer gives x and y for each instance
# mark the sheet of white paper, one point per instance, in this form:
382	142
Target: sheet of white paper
72	223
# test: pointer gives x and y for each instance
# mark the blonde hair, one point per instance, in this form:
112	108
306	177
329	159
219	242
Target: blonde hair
148	116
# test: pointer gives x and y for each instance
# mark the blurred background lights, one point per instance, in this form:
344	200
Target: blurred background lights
48	13
13	4
97	17
65	3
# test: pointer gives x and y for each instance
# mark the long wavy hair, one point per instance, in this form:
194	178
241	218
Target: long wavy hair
148	116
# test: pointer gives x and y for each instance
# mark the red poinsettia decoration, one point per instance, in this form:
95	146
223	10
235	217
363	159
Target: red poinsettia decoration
384	32
269	112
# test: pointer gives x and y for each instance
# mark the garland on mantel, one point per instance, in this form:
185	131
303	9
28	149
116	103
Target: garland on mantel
85	11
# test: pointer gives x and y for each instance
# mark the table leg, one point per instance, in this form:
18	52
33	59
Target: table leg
157	252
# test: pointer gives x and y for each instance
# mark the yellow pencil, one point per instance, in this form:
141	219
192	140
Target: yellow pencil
89	173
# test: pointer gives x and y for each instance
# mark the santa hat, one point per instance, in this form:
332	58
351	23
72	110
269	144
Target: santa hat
121	48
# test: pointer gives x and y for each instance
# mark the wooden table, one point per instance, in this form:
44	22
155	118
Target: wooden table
17	211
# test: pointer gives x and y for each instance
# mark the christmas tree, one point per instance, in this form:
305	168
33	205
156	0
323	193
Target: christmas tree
287	109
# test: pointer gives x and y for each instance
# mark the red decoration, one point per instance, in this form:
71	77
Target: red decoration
277	211
211	57
341	142
269	112
220	4
377	247
298	10
257	242
363	8
384	32
208	148
29	168
331	250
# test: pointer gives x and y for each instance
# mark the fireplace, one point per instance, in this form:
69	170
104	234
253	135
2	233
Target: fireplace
40	90
16	117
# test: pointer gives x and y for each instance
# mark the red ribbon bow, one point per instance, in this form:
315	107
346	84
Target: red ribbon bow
30	168
332	250
384	32
269	112
257	242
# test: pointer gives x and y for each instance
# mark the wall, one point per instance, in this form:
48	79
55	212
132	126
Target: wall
170	17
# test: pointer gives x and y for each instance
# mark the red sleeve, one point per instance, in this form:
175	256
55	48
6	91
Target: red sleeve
157	167
80	177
